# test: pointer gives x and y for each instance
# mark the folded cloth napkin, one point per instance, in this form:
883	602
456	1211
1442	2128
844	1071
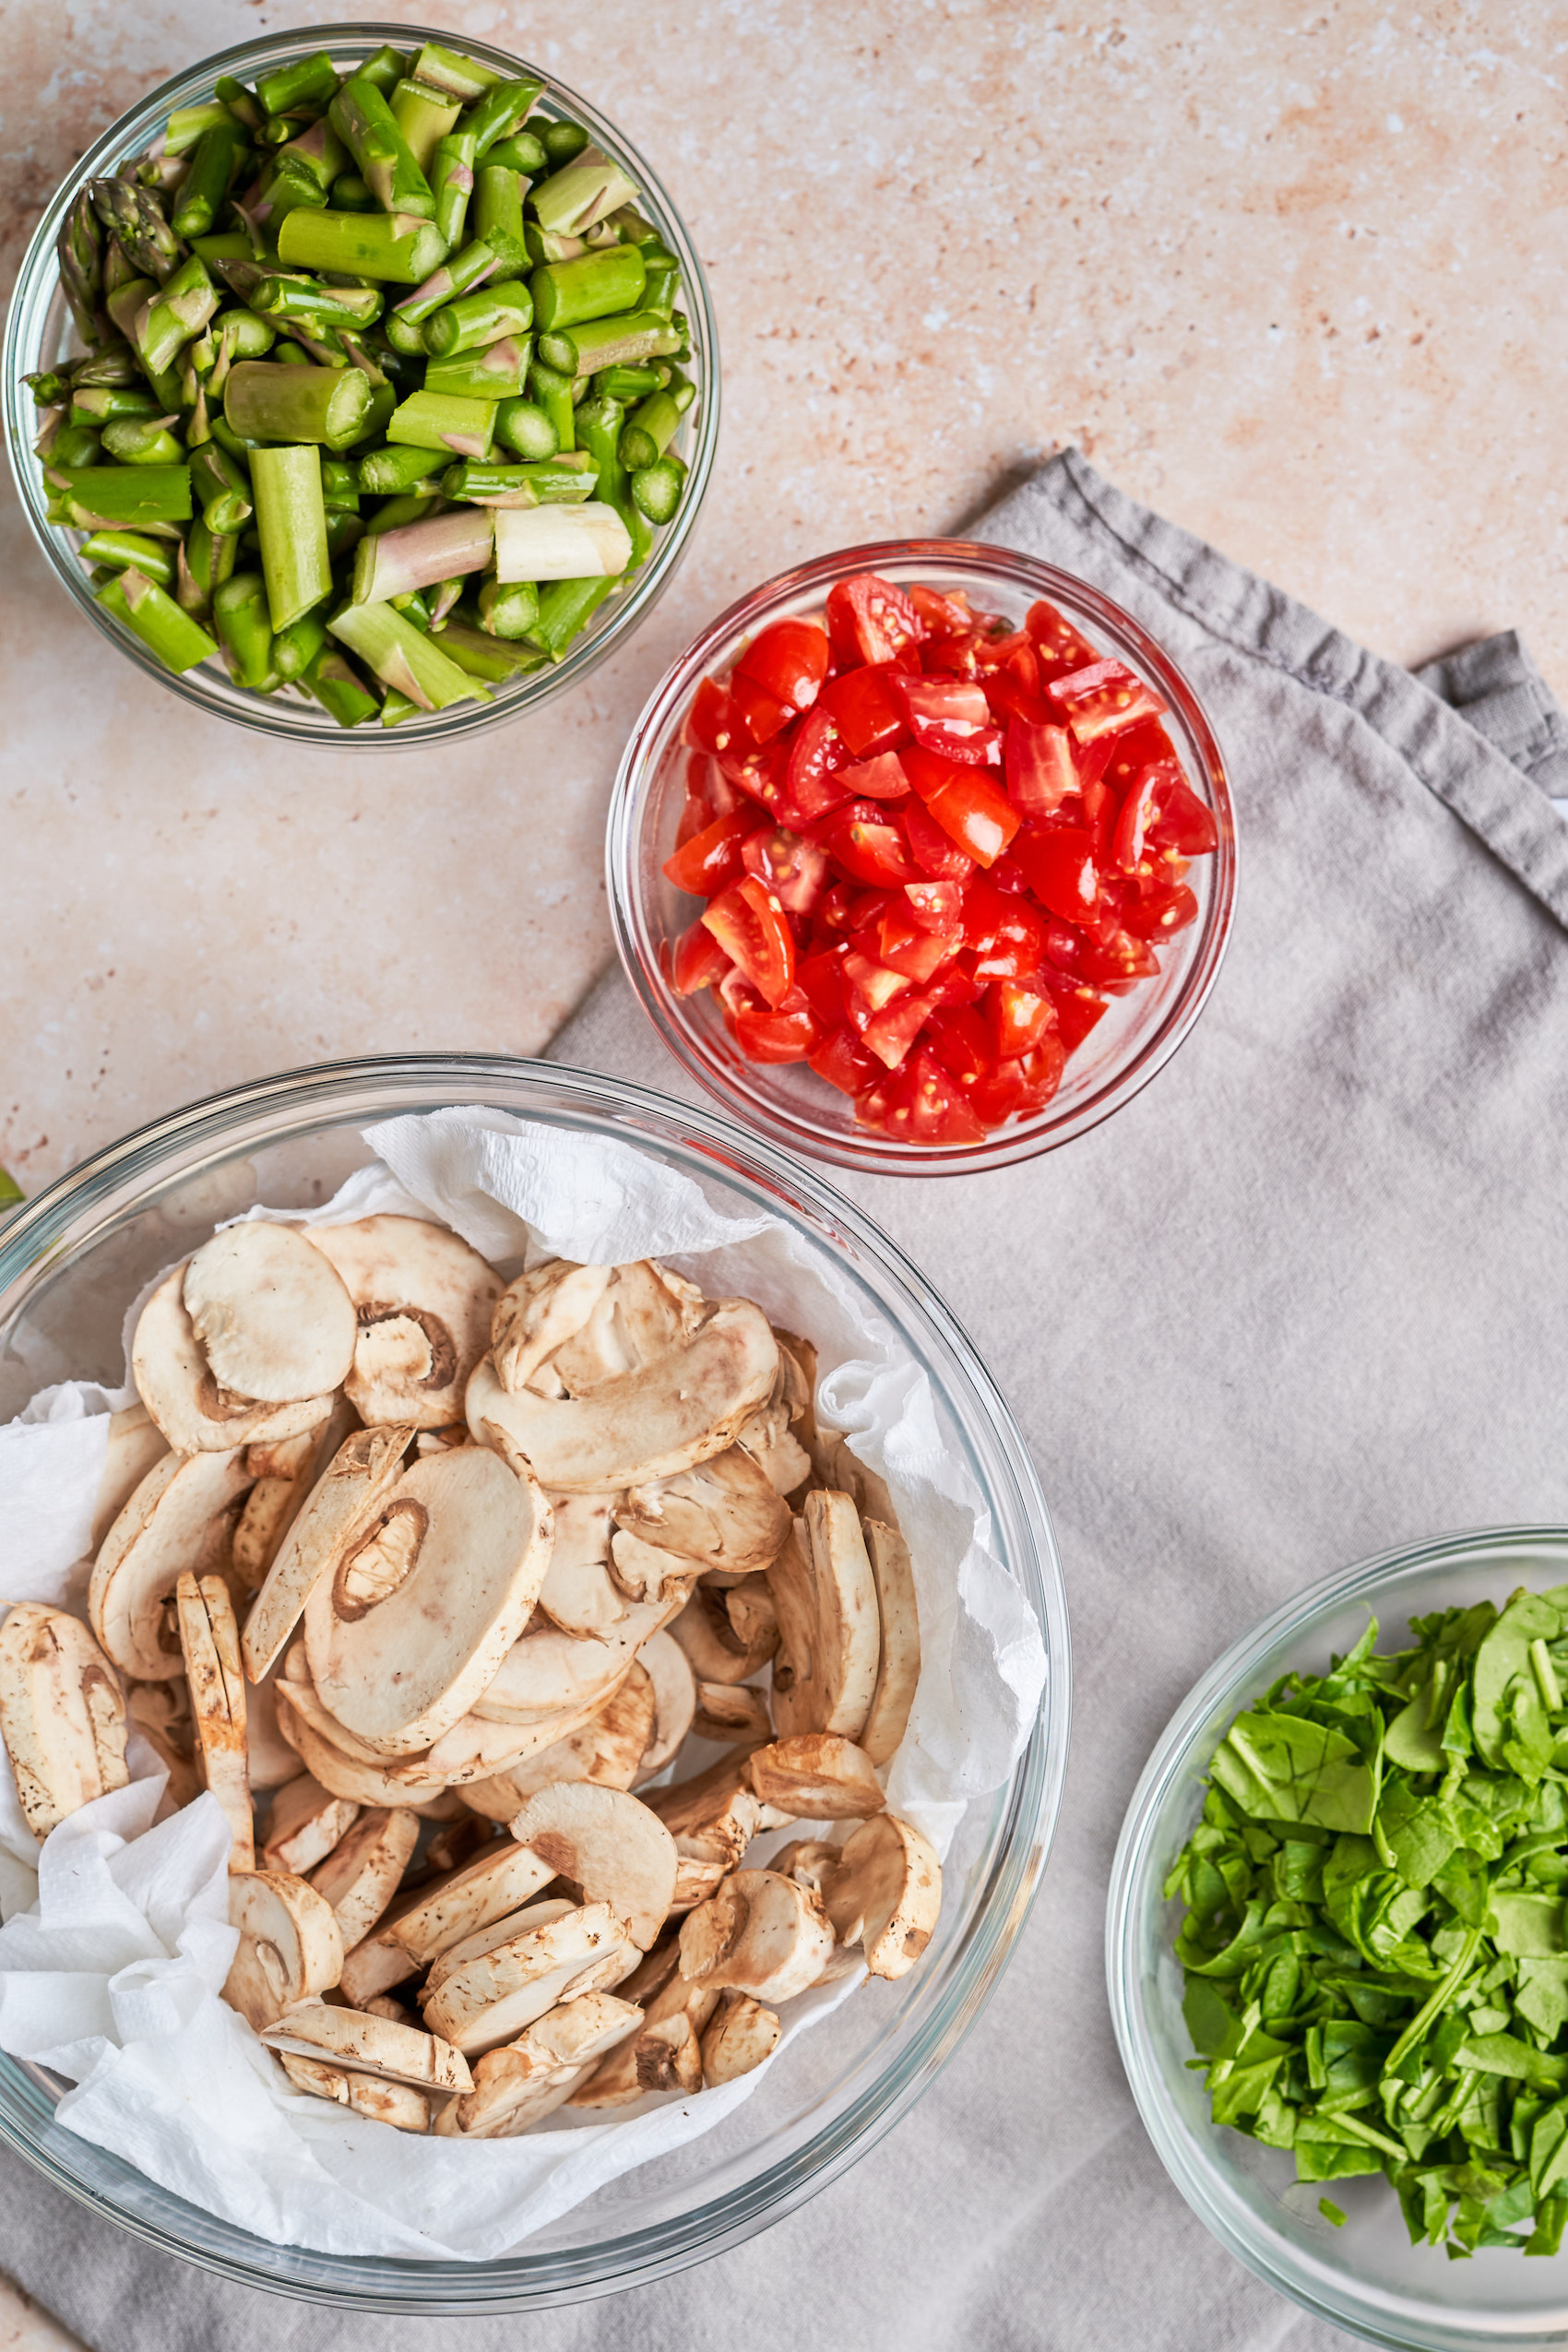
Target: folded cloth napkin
1299	1302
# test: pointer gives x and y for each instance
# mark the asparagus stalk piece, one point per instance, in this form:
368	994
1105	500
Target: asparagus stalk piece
175	315
629	384
564	142
295	646
433	421
397	707
475	321
520	152
188	126
403	659
446	69
74	446
385	69
447	595
459	276
399	248
495	374
309	82
452	181
367	127
134	214
587	191
143	441
610	342
422	554
291	517
483	656
424	115
390	473
412	508
120	549
79	249
498	212
225	490
567	292
338	690
523	427
568	482
652	426
95	404
340	485
266	401
319	152
552	393
210	560
151	614
566	607
508	610
208	182
10	1190
501	111
130	497
325	305
126	302
560	543
349	194
240	102
655	489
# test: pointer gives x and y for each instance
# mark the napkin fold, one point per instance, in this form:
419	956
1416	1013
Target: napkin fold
1300	1301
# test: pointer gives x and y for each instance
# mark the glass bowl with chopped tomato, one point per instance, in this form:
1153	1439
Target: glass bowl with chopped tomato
922	858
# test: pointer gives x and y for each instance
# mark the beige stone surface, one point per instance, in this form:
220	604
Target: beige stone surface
1292	272
24	2328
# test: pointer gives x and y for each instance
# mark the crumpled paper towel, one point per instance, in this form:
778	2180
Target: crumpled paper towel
110	1973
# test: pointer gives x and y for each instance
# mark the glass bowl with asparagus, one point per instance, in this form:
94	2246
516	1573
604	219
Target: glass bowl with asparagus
362	384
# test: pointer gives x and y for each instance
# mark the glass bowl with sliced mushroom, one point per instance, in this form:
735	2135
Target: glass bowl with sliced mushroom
362	389
574	1699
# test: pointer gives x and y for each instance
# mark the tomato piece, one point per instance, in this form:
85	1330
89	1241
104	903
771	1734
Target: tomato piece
1058	646
711	724
1020	1015
1117	964
817	751
1039	766
920	1104
1012	949
1077	1009
843	1061
955	983
787	661
791	1033
951	718
1183	823
869	620
697	961
1162	914
935	905
711	860
890	1033
1059	864
749	925
820	979
881	778
1102	698
1138	812
872	848
870	987
934	852
862	705
1020	1084
908	947
758	774
972	811
961	1038
761	713
792	867
942	616
1012	691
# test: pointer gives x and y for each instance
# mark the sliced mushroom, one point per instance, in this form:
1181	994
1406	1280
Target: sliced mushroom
810	1861
644	1573
304	1826
675	1702
528	2079
843	1470
644	1313
370	2045
740	2036
797	1383
540	1313
766	1438
606	1749
272	1317
286	1472
714	1817
724	1513
490	1998
136	1442
675	2011
269	1757
360	1475
300	1693
730	1712
547	1673
376	1963
898	1670
362	1873
368	2095
885	1893
424	1302
490	1939
761	1934
608	1843
413	1625
180	1516
381	2004
497	1795
651	1423
442	1441
176	1384
829	1633
479	1754
209	1641
347	1776
817	1775
728	1634
161	1712
62	1715
579	1595
290	1947
505	1876
695	1882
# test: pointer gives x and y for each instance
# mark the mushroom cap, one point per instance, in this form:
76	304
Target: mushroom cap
62	1715
761	1934
730	1713
505	1877
490	1998
290	1947
305	1823
607	1748
362	1471
540	1313
674	1701
424	1302
136	1442
175	1383
817	1775
371	2045
768	1440
424	1605
179	1513
209	1642
885	1893
898	1669
271	1315
579	1595
362	1872
547	1672
607	1842
526	2080
740	2037
652	1423
723	1514
379	2102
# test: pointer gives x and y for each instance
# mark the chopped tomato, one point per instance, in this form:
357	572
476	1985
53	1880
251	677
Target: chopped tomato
1102	698
1012	691
970	809
697	962
920	1104
935	905
1116	963
1059	864
750	925
791	1033
711	860
890	1034
1058	646
787	661
1020	1015
870	847
792	867
843	1061
869	620
1077	1010
1183	823
817	751
909	947
942	616
881	778
951	718
864	706
870	987
761	713
932	851
1161	914
1039	766
962	1039
1138	812
759	774
820	979
711	724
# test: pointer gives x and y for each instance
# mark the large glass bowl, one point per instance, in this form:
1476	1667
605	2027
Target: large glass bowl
789	1103
71	1260
1365	2275
40	334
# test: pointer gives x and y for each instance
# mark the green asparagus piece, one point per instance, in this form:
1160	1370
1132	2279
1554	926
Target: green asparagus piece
397	248
663	283
340	485
290	186
406	339
389	564
403	659
632	229
266	401
366	124
327	305
74	445
349	194
572	201
225	490
94	404
424	115
188	125
432	421
385	69
397	707
10	1190
240	615
79	249
566	481
126	302
601	424
520	152
493	374
445	70
552	393
310	83
151	614
565	607
651	427
564	142
522	426
444	596
627	383
296	647
344	533
240	102
600	284
459	276
510	612
387	473
120	549
474	321
547	245
210	560
655	489
498	213
292	517
483	656
137	219
336	688
130	497
452	181
143	441
501	111
319	152
207	182
180	312
232	244
247	337
610	342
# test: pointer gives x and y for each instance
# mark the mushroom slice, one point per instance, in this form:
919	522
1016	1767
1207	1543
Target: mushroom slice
62	1715
540	1313
714	1817
651	1423
724	1513
761	1934
176	1384
645	1573
285	1471
273	1319
608	1843
490	1938
361	1474
796	1389
424	1302
209	1640
732	1712
899	1670
136	1442
728	1634
505	1877
674	1701
161	1712
741	2034
674	2013
371	2045
490	1998
578	1594
381	2004
381	2102
606	1749
306	1822
521	2084
695	1882
477	1753
270	1760
768	1441
548	1673
364	1871
300	1694
830	1640
290	1947
177	1518
497	1795
885	1893
644	1313
810	1861
817	1775
423	1606
347	1776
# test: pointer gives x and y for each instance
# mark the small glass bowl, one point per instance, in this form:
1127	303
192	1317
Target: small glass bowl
1364	2275
71	1259
40	334
787	1102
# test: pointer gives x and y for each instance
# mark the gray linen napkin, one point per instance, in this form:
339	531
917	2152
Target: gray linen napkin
1298	1302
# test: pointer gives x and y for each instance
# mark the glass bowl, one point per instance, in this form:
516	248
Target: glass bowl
789	1103
69	1262
40	334
1364	2275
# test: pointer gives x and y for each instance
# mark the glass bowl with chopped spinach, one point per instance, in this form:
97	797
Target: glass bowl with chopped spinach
1337	1945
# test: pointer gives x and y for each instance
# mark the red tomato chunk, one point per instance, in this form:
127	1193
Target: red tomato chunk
932	849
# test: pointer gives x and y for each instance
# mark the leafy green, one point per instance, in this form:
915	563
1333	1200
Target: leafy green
1374	1935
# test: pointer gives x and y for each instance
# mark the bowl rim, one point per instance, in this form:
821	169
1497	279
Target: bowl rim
1218	1690
1028	1807
638	950
38	275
